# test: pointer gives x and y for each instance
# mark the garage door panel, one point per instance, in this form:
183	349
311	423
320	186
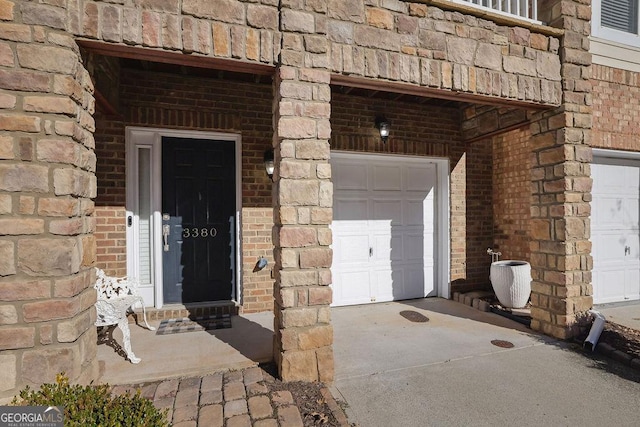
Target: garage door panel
387	177
632	241
632	283
352	287
609	286
413	246
614	178
380	278
421	179
408	283
386	248
610	247
608	213
631	212
415	212
349	175
352	248
387	209
354	210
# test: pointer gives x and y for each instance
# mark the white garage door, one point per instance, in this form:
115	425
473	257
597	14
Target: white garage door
383	228
615	230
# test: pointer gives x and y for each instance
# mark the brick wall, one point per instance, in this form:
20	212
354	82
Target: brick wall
111	255
423	130
478	214
189	103
512	194
616	110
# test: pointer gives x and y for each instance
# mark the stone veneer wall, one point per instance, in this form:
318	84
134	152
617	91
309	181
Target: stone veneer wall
167	101
421	44
561	184
616	109
303	197
47	181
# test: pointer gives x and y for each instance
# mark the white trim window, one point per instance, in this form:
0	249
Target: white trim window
524	9
616	20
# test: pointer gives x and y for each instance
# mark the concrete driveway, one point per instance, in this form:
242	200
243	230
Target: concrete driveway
394	372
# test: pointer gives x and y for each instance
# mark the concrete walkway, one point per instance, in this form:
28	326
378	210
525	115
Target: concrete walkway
623	313
393	372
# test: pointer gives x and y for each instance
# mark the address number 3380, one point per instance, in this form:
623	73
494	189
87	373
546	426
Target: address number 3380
195	232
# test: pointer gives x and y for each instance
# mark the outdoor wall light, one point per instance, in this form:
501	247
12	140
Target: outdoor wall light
383	126
268	163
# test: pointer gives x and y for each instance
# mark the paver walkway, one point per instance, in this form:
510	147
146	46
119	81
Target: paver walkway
231	399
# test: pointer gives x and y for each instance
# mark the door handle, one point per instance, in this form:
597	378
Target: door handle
371	251
165	236
627	250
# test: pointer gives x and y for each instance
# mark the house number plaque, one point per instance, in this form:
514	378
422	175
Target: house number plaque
195	232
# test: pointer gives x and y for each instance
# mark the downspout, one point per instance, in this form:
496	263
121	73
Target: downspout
596	329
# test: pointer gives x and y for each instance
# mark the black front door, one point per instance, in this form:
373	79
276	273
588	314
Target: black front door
198	219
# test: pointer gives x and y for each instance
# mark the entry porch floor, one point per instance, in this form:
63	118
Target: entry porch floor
247	343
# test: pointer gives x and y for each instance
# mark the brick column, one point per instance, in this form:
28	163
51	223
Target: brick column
561	185
303	198
47	179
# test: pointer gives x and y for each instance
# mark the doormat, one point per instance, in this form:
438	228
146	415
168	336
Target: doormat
185	324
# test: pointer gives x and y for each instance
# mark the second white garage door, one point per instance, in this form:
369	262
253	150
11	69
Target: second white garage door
615	230
383	228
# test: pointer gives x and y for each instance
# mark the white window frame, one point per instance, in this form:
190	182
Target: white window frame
510	11
600	31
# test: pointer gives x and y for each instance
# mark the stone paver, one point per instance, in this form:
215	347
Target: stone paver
187	397
260	407
230	399
233	391
239	421
211	382
211	416
235	407
210	397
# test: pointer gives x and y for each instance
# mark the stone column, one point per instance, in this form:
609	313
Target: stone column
561	185
303	198
47	181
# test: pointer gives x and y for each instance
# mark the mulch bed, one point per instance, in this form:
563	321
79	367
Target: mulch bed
308	398
621	338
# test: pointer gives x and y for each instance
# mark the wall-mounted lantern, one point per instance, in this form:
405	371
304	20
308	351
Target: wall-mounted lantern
383	127
269	165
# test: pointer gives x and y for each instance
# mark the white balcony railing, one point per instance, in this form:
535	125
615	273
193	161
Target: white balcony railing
526	9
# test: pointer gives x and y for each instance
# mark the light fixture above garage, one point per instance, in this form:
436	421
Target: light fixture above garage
383	126
269	165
